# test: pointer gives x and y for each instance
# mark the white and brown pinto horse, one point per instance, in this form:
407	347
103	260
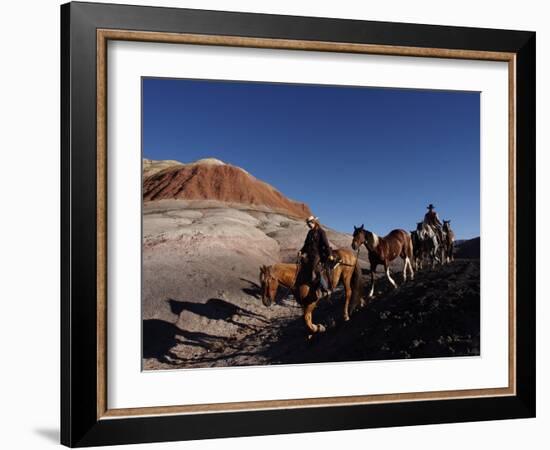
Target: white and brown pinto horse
449	241
429	246
383	250
344	270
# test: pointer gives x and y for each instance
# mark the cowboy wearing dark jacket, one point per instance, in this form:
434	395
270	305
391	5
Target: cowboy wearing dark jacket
316	250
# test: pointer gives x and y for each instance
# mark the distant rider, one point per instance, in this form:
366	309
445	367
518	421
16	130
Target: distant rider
432	219
317	252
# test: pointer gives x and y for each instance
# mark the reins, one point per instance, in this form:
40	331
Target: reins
341	263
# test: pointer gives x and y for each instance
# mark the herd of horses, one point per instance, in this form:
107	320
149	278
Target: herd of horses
423	244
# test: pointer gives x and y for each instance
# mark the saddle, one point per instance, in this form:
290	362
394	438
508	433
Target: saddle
315	275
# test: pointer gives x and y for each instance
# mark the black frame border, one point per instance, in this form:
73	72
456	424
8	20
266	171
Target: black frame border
79	423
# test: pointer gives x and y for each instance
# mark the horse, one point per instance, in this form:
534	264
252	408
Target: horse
383	250
418	251
449	242
429	242
344	270
271	277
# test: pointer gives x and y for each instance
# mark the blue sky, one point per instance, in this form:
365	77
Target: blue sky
353	154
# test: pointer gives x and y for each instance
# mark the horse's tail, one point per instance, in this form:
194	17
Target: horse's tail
356	287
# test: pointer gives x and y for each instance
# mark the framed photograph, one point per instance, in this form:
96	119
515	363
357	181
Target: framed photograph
276	224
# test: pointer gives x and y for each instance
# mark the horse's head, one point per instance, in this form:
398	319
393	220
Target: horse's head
269	285
446	225
358	237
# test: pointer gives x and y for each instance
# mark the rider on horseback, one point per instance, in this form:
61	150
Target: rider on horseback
316	252
432	219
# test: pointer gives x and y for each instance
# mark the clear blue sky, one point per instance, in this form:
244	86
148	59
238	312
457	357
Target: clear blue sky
353	154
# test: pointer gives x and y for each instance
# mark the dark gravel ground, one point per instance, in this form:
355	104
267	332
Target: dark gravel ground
436	315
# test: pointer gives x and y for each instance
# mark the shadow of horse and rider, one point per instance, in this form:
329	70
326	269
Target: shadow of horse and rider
160	337
341	267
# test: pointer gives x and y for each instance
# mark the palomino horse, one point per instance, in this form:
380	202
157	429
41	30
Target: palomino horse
345	270
273	276
429	243
383	250
449	243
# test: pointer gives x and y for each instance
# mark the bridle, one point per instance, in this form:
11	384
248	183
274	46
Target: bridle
364	233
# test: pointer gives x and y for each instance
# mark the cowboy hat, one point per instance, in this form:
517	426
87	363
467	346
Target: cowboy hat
312	219
430	206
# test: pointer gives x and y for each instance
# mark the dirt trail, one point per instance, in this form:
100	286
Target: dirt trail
437	314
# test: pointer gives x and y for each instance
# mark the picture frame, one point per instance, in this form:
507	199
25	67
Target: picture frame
86	419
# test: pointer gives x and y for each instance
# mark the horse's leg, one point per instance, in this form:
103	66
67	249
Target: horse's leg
347	287
388	276
410	267
434	254
304	292
429	254
337	275
308	317
372	270
406	254
410	255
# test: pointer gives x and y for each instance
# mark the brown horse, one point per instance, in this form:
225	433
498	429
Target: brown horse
449	242
383	250
344	270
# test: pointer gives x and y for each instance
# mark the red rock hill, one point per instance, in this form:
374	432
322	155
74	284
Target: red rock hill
212	179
